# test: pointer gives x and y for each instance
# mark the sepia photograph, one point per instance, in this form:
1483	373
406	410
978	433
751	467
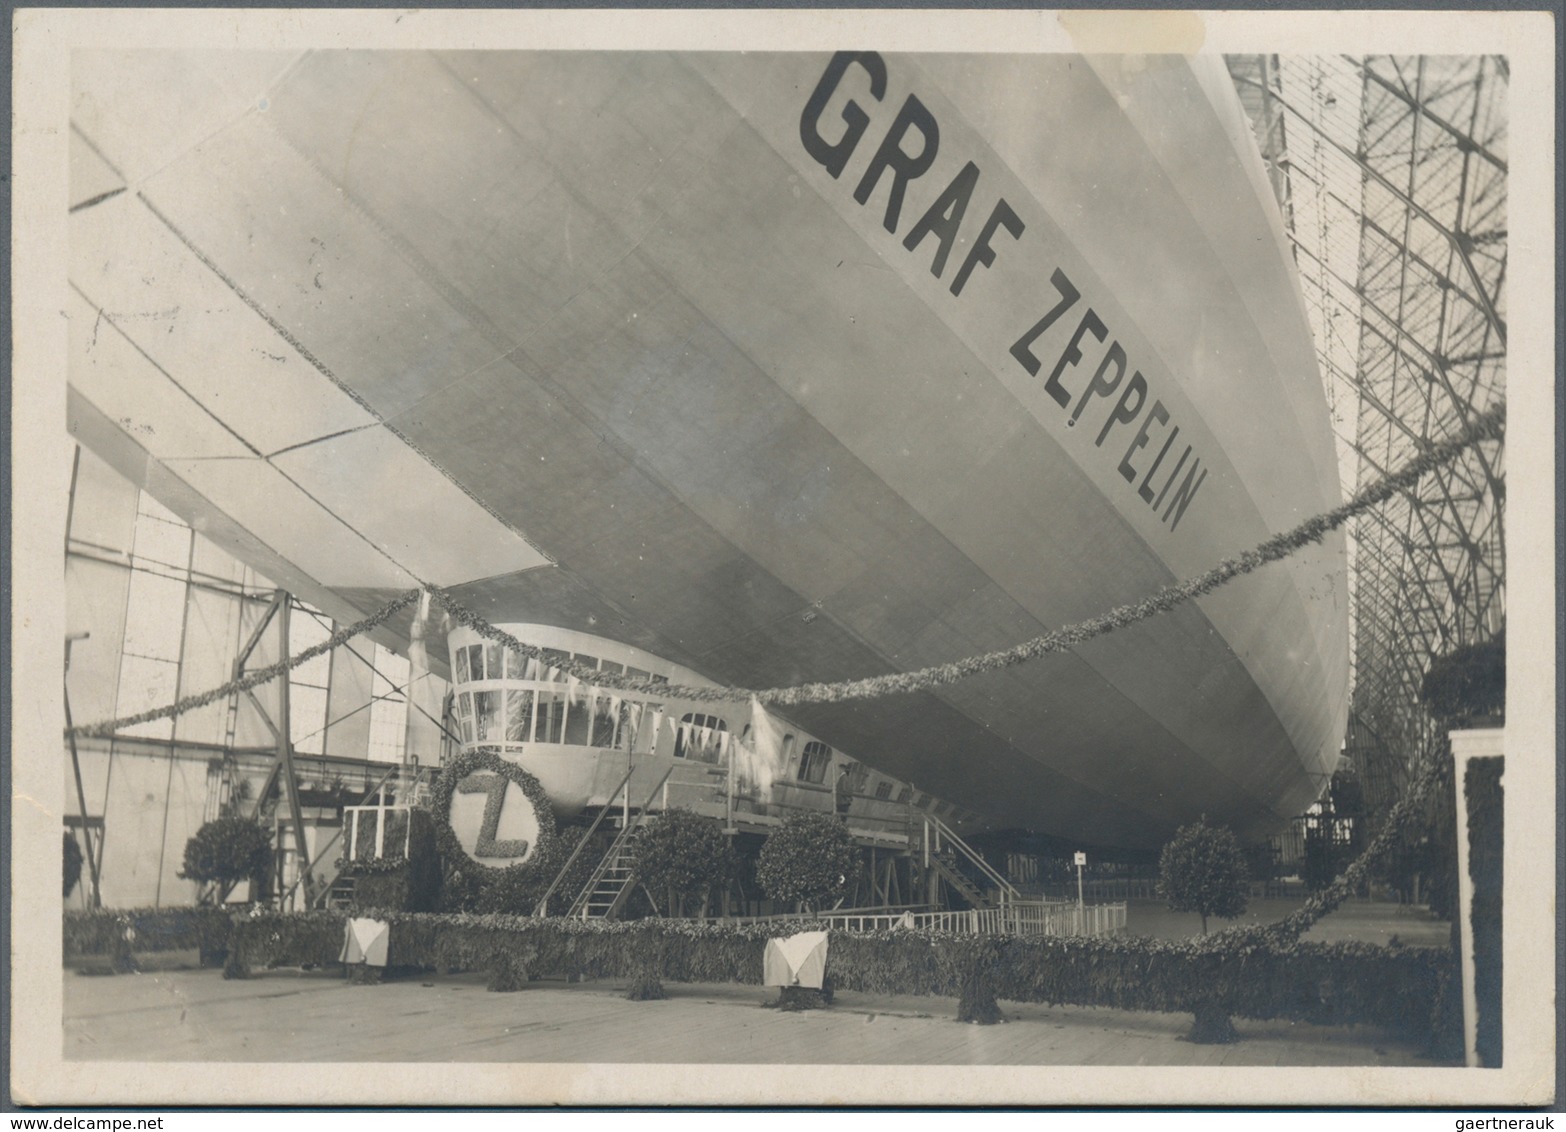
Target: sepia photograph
783	558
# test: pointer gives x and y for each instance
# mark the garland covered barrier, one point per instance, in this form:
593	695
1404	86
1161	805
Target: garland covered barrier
1483	795
120	933
1408	990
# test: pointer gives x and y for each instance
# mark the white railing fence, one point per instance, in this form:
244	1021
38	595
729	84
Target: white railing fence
1021	918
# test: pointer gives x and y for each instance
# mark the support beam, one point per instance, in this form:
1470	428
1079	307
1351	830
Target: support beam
1464	141
1459	241
285	757
81	795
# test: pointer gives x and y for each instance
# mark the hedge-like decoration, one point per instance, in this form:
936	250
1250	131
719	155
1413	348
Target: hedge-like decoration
1404	989
103	931
403	884
1484	797
450	781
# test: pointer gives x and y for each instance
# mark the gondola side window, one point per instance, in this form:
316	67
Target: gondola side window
699	737
814	762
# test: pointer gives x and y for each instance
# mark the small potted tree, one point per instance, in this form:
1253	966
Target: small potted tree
1202	870
227	850
806	863
685	858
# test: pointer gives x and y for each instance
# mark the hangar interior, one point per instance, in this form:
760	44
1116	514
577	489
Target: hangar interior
1390	175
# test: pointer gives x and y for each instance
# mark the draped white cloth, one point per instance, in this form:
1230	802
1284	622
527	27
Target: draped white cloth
365	941
795	961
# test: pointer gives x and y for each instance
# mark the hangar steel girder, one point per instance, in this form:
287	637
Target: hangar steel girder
1391	175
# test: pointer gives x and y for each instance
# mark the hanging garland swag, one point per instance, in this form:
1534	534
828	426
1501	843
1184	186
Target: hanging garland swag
1489	425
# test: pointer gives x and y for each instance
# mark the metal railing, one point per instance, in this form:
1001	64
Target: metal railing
1015	918
937	836
405	781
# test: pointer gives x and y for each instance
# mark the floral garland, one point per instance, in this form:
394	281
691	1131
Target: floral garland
109	727
1426	773
1489	425
450	780
370	866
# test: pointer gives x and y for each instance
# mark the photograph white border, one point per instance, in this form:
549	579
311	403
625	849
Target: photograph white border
43	41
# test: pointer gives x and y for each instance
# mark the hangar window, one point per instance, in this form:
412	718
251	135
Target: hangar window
904	794
813	763
855	777
699	737
883	791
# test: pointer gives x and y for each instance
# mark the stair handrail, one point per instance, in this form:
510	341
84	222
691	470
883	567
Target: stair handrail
1008	890
326	887
631	826
543	904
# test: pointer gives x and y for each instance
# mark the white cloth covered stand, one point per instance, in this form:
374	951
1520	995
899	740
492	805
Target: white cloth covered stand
795	961
365	941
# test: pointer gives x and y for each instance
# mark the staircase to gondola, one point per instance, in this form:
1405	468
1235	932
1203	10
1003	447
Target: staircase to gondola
945	863
612	880
963	867
604	896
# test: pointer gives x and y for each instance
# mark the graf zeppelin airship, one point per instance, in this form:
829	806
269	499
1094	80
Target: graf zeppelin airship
752	368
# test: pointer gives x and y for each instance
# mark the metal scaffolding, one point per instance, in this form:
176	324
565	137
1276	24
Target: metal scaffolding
1391	175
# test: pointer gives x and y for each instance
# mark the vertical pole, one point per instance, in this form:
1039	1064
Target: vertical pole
421	734
1080	917
728	801
81	795
285	754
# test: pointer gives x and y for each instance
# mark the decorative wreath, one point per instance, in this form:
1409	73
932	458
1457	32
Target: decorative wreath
488	759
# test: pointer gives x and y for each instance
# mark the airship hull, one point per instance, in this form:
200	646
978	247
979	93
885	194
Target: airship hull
783	367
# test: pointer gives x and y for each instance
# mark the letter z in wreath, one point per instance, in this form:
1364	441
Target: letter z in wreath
491	811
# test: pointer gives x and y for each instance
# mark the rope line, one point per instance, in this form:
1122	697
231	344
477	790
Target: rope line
1490	425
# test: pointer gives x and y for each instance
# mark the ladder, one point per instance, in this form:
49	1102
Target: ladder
605	891
612	883
339	896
